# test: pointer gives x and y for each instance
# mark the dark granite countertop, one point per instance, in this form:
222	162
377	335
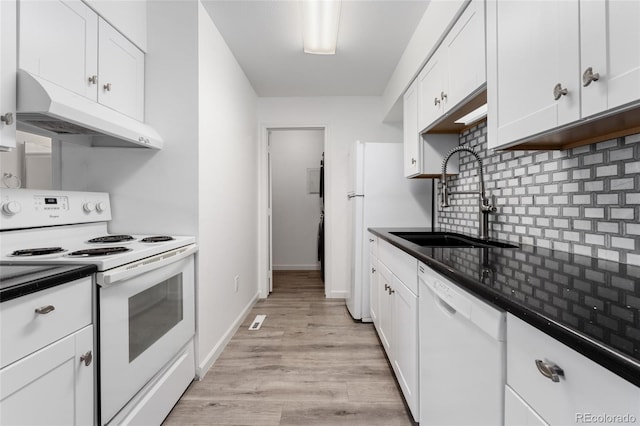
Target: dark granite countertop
591	305
19	279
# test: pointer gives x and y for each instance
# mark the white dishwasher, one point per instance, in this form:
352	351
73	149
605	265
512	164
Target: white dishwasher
462	355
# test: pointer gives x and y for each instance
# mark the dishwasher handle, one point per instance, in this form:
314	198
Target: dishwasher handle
449	297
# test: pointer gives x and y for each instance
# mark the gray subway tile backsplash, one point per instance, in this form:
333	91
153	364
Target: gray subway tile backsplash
584	200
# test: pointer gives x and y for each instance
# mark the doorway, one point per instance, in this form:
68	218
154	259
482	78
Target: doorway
295	204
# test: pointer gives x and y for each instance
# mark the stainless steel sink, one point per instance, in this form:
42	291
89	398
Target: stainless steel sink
448	239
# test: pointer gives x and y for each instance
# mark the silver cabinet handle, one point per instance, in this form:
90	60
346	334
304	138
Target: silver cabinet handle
443	95
549	370
371	240
93	79
87	358
391	291
7	118
44	310
436	101
107	87
558	91
589	76
373	270
413	161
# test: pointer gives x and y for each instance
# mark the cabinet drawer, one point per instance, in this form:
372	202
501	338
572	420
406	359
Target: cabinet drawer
23	330
585	389
403	265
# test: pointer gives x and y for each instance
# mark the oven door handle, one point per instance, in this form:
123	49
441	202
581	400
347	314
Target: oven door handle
141	266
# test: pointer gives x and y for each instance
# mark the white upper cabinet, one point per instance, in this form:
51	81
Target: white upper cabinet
410	131
465	51
129	17
58	42
553	67
65	42
452	76
121	68
7	74
456	70
431	89
423	154
532	49
610	48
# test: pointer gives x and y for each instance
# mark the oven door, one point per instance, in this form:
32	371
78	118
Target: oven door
144	321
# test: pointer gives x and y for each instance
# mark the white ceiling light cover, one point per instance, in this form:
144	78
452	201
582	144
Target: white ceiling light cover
321	19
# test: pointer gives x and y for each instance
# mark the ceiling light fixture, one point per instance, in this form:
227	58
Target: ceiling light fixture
320	22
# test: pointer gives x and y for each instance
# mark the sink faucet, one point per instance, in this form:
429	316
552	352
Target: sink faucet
484	205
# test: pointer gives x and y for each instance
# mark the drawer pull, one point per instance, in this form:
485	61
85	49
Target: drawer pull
386	287
87	358
550	371
43	310
373	270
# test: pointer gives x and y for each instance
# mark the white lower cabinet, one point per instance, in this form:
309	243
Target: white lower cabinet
397	317
48	368
51	386
582	392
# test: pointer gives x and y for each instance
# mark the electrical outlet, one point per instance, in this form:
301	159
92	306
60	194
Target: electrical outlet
236	283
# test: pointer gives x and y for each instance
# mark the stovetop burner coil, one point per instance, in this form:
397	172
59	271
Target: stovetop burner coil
111	239
37	251
102	251
157	239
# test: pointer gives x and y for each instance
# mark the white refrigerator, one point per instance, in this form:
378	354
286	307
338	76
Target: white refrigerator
381	197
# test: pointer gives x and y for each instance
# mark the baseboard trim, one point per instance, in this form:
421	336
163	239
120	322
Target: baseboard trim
338	294
204	366
313	267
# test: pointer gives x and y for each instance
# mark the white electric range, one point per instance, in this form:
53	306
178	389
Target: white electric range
145	294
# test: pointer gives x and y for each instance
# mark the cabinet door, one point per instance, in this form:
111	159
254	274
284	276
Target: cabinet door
431	90
121	66
610	46
465	50
51	386
8	74
373	284
385	281
519	413
532	46
405	342
411	138
58	42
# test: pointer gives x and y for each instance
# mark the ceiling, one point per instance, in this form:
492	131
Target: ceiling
266	39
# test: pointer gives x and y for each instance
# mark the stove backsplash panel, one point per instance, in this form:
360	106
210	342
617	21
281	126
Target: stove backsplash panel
584	200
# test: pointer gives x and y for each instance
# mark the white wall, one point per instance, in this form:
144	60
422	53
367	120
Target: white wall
436	21
203	182
347	119
296	212
228	192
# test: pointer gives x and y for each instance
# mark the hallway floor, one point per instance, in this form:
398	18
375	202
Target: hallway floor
309	364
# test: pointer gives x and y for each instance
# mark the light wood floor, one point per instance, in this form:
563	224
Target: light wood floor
309	364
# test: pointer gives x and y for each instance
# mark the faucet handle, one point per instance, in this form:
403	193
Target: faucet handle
489	207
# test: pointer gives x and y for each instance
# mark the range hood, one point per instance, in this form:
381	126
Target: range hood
46	106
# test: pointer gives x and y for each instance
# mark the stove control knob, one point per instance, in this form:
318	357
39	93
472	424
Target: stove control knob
101	206
12	207
89	207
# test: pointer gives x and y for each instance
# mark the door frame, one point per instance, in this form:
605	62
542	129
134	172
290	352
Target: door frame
265	255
